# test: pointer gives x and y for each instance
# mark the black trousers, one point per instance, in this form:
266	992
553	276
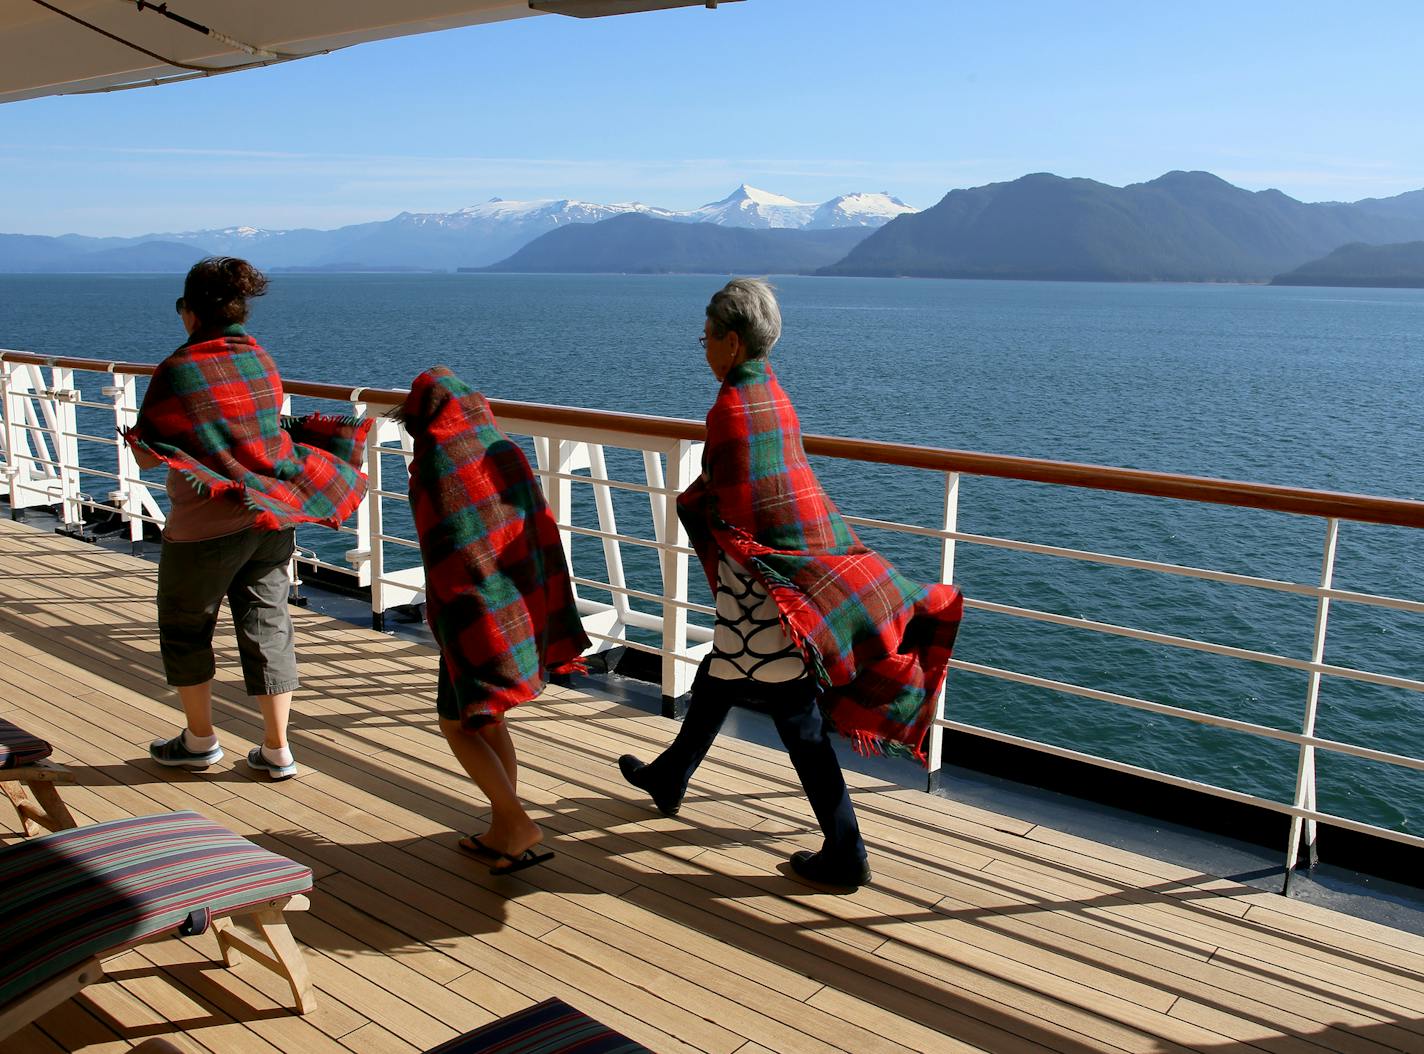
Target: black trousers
803	732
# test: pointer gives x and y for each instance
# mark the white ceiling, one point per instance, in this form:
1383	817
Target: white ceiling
44	53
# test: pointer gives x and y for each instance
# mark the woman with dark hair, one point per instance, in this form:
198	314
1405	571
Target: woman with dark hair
240	477
812	627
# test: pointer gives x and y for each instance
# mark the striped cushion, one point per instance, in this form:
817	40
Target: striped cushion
87	891
18	747
550	1027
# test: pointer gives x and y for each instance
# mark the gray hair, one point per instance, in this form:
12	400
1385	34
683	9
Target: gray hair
747	307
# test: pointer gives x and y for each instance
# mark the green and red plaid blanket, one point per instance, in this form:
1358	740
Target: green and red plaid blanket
497	590
213	414
878	643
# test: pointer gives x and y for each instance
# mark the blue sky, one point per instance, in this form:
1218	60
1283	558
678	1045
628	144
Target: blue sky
807	98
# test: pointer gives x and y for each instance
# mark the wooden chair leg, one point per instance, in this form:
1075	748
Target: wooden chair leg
277	950
45	998
226	943
56	814
272	925
16	793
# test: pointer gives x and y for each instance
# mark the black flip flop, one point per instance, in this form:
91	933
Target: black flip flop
526	859
477	848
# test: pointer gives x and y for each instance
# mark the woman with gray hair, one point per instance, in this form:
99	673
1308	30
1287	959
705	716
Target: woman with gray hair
812	627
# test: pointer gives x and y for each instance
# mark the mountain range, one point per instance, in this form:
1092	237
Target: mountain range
1380	266
1183	226
469	237
637	244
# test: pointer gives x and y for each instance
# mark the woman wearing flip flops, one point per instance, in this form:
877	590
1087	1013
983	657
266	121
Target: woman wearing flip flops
497	595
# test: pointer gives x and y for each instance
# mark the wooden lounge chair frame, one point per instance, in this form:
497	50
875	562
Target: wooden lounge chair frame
47	812
274	948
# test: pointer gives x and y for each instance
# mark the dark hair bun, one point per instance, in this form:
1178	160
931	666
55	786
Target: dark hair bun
217	290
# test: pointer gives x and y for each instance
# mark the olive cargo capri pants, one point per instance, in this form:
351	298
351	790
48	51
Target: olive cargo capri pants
250	569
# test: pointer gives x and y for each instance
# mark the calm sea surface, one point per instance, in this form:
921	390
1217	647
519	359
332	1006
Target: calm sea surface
1307	387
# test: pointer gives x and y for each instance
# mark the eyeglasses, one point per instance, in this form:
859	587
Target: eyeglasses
702	342
180	305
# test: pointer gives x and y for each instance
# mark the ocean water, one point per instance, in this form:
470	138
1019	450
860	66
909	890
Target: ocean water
1305	387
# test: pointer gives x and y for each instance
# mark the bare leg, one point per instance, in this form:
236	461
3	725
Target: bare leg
496	734
276	709
511	830
197	700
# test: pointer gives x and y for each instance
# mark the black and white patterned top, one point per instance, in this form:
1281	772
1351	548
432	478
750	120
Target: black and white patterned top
749	643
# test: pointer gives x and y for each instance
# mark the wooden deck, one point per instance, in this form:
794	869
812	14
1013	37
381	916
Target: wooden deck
980	932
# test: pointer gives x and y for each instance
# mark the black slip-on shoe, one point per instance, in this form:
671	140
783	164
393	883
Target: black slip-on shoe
814	867
635	772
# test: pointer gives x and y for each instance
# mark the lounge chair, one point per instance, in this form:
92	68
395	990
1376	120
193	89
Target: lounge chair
71	899
24	762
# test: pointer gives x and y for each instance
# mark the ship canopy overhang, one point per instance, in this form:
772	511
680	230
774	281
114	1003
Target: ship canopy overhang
62	47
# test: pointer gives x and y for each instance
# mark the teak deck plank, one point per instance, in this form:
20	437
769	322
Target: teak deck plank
980	933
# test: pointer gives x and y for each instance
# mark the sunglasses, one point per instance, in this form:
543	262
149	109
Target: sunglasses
180	305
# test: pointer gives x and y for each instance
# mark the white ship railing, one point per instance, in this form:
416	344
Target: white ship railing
42	463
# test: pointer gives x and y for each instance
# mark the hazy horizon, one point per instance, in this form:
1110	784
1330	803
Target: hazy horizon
396	211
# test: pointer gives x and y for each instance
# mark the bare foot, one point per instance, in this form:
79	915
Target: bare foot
476	845
512	838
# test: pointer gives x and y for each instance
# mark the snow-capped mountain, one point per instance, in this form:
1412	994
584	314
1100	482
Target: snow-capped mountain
858	210
749	207
474	236
553	211
228	236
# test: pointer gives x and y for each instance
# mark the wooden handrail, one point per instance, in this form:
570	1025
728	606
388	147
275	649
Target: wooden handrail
1364	508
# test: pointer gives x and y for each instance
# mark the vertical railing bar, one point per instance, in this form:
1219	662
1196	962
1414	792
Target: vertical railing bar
374	530
676	678
7	438
653	469
607	521
122	391
358	553
67	446
1305	766
558	455
950	522
43	433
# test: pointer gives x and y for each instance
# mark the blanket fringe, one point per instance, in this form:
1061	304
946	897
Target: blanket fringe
575	665
290	421
869	745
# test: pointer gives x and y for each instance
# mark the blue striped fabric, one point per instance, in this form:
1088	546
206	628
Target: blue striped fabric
550	1027
83	892
18	747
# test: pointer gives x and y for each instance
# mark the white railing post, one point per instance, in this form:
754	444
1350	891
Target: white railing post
1305	767
949	522
374	525
123	394
39	428
66	446
653	473
359	555
9	449
613	623
561	456
682	467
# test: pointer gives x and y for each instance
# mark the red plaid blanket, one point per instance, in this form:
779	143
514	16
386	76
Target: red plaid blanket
213	413
877	642
497	590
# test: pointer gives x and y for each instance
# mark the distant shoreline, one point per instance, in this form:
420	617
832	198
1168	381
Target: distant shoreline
1344	282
